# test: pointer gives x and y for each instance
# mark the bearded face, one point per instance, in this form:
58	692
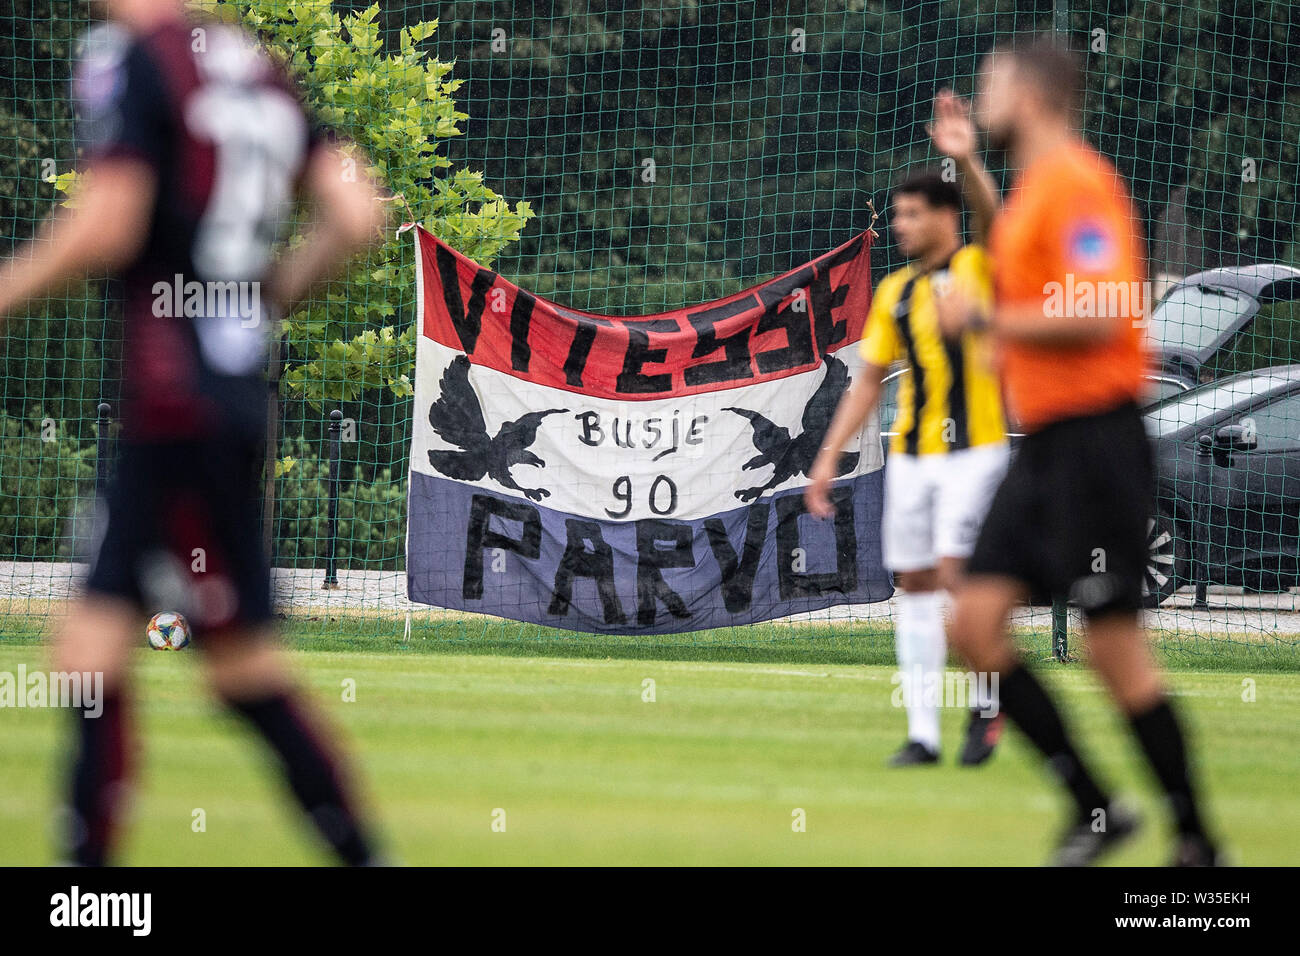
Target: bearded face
999	102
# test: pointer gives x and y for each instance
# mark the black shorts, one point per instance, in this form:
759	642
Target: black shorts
1070	517
182	532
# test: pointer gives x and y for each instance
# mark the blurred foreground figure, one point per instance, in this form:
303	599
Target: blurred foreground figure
195	147
1071	515
950	446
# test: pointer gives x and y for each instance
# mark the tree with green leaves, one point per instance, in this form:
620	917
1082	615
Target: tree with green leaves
397	106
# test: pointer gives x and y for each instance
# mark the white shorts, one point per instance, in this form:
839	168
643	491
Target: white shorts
935	504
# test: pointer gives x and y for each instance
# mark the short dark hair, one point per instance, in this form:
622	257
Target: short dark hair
938	192
1048	62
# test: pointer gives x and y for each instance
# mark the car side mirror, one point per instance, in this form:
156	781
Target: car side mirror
1235	438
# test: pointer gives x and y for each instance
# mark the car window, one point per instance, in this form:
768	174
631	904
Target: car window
1268	340
1190	407
1192	317
1275	425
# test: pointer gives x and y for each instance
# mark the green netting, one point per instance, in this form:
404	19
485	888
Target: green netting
637	156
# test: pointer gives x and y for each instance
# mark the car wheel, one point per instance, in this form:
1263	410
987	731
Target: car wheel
1166	558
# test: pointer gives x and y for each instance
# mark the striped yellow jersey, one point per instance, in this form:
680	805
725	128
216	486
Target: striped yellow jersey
951	399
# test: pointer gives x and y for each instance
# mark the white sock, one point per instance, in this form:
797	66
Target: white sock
922	650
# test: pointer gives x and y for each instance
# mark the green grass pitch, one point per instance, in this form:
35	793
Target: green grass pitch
587	772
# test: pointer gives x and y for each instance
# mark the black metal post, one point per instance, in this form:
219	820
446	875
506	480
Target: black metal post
1201	504
332	532
102	458
1060	630
1060	616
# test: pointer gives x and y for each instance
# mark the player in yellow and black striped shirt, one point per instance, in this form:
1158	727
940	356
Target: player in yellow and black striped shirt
950	450
951	399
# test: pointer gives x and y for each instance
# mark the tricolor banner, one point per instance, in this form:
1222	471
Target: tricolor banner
638	475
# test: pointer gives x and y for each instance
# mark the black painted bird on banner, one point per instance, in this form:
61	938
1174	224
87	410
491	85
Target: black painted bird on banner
794	456
457	417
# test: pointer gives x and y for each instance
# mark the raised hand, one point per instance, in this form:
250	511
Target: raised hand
951	130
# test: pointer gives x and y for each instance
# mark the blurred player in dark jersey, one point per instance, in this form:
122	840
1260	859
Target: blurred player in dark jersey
195	148
1071	515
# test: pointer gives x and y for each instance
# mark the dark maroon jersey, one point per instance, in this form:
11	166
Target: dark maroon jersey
227	137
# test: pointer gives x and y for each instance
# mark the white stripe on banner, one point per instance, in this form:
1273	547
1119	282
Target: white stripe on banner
686	458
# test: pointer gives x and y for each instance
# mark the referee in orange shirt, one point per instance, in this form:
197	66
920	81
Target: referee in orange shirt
1071	515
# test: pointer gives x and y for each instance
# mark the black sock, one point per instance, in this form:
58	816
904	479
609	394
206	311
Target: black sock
98	781
312	772
1025	701
1162	740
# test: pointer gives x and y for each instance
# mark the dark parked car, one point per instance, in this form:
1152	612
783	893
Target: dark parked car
1208	313
1228	471
1227	459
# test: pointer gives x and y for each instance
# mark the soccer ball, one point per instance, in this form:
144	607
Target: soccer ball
168	631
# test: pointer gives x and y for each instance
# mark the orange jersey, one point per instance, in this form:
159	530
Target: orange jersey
1068	237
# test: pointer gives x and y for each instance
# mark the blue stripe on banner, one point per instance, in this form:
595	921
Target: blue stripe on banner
474	550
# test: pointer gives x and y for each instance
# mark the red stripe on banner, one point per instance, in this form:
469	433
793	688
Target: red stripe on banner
778	328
